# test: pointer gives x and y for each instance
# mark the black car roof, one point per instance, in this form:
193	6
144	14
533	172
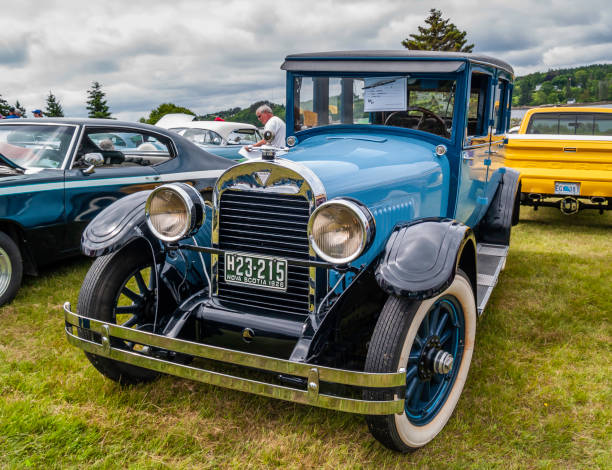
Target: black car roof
85	121
388	60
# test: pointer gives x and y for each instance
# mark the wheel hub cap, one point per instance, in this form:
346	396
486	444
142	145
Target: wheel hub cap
443	362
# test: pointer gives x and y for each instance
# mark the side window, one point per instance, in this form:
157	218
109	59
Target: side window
121	148
499	106
477	107
215	139
243	136
197	136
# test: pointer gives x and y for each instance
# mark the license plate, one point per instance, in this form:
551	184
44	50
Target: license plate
571	189
256	271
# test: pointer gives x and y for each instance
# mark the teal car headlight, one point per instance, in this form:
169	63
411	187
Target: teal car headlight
174	211
340	230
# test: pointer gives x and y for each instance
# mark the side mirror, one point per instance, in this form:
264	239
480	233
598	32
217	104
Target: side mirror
268	136
93	160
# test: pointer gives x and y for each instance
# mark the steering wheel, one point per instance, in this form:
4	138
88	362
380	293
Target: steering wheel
424	112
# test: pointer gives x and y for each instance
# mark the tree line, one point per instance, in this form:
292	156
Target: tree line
96	105
579	84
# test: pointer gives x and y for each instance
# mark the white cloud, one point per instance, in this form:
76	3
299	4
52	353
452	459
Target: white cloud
218	54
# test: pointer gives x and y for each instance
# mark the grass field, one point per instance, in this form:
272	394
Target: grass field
539	393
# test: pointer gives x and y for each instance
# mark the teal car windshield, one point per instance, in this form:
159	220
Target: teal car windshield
36	146
421	103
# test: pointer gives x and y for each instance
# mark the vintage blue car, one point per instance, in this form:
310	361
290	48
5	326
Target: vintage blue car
57	174
347	272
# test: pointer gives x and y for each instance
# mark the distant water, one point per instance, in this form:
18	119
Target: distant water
519	113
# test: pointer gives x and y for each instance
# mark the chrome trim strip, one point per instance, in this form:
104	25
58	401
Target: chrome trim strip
324	374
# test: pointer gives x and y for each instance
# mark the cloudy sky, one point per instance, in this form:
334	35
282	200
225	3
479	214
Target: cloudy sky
211	55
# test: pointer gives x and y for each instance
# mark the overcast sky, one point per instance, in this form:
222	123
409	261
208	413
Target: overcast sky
212	55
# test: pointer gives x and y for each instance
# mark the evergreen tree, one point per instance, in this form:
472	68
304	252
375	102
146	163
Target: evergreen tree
441	35
96	104
20	108
4	106
54	108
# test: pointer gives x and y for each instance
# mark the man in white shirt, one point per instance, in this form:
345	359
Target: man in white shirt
271	123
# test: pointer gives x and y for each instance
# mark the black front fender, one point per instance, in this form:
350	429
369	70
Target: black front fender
502	213
421	258
117	226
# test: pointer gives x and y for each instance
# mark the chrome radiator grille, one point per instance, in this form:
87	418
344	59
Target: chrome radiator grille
272	225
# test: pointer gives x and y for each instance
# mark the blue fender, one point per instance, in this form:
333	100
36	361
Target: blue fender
421	258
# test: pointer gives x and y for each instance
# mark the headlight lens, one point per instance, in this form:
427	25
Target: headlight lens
174	211
340	231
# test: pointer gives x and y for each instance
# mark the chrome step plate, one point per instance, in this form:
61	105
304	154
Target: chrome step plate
491	260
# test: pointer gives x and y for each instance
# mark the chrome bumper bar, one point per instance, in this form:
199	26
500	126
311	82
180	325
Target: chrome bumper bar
313	374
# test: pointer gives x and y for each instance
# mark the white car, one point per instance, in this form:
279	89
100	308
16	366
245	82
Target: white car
223	138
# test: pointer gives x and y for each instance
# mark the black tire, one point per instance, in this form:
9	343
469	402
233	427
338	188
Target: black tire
11	269
516	213
103	297
404	325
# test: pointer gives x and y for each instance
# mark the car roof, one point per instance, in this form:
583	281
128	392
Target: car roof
83	122
224	128
401	60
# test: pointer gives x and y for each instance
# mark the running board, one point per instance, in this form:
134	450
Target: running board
491	261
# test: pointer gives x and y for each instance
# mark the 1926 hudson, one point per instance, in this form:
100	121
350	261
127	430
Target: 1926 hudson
347	271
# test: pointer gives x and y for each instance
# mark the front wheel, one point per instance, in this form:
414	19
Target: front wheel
11	268
433	341
119	289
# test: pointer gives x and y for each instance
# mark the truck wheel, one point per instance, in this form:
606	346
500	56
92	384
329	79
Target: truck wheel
11	268
118	288
433	341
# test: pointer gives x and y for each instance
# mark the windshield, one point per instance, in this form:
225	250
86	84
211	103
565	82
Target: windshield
35	146
423	103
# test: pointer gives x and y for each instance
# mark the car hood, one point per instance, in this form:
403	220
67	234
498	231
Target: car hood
371	168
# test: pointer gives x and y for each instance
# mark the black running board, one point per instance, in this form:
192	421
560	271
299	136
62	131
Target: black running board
491	261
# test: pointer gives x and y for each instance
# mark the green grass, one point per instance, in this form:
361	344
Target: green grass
539	394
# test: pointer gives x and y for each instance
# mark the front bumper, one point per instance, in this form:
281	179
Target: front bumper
313	374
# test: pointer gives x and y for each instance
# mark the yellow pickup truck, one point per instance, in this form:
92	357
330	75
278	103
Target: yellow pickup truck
564	155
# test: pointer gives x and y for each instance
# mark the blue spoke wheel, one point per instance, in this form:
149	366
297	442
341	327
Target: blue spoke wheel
432	341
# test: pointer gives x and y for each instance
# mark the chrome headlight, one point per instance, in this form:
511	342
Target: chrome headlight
174	211
340	230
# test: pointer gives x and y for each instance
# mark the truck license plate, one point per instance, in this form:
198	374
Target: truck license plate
256	271
570	189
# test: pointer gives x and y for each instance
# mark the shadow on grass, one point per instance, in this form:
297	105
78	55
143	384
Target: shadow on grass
551	217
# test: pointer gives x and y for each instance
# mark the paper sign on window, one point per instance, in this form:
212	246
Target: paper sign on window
384	94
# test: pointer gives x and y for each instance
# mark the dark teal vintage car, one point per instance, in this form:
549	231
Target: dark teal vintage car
346	271
58	174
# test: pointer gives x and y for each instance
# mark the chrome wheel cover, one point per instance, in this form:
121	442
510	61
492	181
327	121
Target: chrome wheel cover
6	271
